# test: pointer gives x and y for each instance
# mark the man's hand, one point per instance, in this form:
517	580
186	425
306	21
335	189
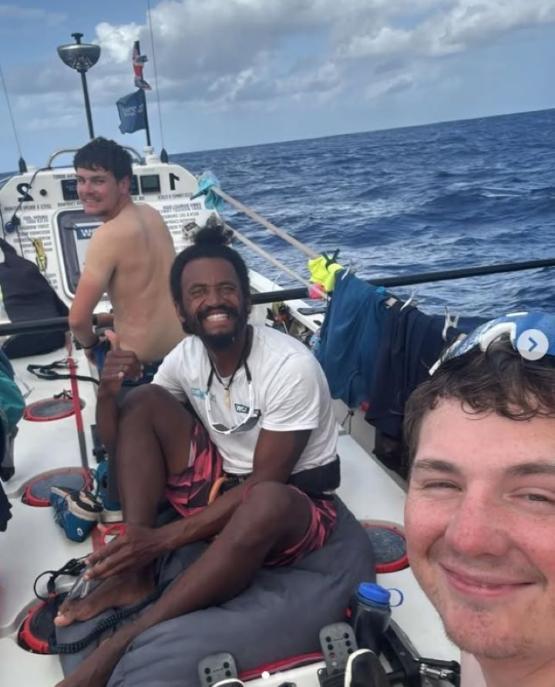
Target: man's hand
131	551
118	365
104	320
90	353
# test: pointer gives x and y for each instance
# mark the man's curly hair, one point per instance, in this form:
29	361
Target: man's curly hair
497	381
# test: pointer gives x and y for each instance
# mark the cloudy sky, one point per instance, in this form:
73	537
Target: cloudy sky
238	72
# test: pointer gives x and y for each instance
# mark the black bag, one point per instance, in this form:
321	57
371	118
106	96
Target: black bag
28	297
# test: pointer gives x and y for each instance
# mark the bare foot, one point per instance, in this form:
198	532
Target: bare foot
119	590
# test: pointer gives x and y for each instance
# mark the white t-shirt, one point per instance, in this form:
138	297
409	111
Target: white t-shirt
290	393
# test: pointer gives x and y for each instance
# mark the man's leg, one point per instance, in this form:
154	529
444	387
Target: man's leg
273	518
154	436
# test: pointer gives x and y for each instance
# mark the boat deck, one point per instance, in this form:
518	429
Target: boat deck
39	544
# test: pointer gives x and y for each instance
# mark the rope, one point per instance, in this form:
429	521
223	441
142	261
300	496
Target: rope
264	222
107	624
10	111
48	371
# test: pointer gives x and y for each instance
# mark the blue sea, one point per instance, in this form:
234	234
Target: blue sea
404	201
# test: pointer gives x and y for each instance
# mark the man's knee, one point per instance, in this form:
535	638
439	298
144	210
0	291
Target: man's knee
266	509
145	400
268	497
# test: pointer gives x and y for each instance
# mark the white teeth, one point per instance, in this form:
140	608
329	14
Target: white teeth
218	316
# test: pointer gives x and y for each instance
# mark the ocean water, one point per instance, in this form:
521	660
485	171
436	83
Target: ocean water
403	201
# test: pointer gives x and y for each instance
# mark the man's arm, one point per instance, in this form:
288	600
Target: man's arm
118	365
89	292
100	264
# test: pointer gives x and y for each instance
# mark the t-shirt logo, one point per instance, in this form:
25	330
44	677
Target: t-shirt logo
198	393
240	408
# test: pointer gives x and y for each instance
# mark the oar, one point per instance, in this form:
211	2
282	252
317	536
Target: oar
409	279
300	293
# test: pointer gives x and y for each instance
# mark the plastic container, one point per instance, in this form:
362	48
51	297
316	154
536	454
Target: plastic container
370	613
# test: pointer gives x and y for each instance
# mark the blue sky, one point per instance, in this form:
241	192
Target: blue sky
239	72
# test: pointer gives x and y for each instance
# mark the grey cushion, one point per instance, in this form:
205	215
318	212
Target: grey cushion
278	616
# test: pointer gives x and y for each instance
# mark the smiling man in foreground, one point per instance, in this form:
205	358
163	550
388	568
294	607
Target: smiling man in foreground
480	513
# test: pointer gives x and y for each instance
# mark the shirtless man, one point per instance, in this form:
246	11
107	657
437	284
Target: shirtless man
129	257
480	511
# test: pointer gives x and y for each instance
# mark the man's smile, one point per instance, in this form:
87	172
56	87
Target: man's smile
483	585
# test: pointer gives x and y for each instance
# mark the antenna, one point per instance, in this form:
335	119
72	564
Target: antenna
163	153
81	57
22	164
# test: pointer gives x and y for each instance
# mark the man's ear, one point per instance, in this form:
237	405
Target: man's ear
125	185
178	310
182	318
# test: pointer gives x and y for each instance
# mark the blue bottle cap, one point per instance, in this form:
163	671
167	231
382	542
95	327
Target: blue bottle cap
375	593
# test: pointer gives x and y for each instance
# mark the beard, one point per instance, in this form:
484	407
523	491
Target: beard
193	324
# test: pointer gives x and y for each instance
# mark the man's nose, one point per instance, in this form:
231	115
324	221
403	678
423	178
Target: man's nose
478	526
213	296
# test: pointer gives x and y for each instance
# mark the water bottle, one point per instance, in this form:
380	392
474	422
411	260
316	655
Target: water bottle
370	613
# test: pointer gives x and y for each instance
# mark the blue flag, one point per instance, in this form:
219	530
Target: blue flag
131	109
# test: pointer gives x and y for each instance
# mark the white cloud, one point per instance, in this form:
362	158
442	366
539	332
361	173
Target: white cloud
242	53
117	41
449	28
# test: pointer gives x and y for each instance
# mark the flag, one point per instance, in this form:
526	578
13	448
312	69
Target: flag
131	109
138	62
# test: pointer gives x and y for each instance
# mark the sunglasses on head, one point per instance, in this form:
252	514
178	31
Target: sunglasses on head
532	334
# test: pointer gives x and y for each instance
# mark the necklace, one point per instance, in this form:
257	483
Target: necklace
227	386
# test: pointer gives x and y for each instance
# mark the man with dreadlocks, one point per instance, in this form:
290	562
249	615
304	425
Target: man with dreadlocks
238	409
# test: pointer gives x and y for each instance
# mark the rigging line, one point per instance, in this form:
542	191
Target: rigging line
155	75
5	88
274	261
264	222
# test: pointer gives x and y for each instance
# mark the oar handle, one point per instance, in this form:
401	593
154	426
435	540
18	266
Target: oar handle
302	293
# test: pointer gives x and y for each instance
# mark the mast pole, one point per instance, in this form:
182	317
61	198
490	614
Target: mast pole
147	128
81	57
87	103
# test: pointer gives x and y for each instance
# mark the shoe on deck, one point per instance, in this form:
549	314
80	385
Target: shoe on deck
77	512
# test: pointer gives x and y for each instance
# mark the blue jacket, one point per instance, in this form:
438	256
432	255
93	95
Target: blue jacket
349	337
